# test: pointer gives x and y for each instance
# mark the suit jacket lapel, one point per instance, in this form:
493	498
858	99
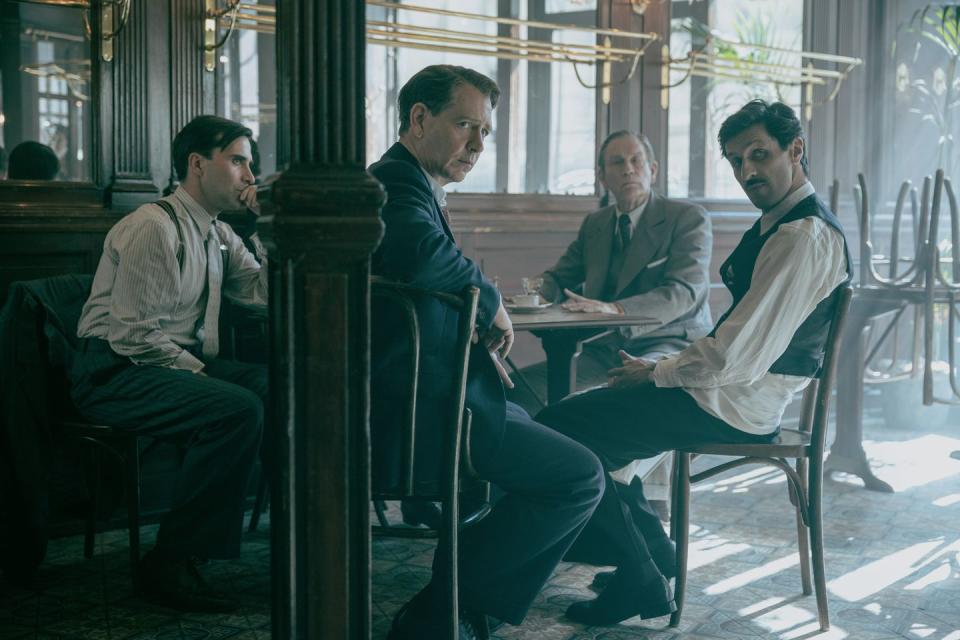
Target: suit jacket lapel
400	152
598	255
647	238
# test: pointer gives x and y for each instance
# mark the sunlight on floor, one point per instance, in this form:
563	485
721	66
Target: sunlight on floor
913	463
745	578
789	621
880	574
947	500
711	548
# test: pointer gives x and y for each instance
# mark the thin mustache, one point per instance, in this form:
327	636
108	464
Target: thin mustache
753	183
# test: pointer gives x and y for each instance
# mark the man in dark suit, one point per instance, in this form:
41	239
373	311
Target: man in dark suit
731	386
551	483
644	255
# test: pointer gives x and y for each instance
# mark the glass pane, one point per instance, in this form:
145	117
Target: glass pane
247	88
572	125
699	105
556	157
44	114
564	6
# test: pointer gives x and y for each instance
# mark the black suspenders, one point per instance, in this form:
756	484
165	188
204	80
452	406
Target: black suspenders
166	206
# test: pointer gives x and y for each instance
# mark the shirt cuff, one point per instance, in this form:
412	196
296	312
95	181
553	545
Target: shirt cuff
188	362
665	373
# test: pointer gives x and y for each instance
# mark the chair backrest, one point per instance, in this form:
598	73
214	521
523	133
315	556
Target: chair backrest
816	398
456	432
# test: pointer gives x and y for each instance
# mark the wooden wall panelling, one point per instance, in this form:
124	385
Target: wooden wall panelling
321	225
191	87
139	75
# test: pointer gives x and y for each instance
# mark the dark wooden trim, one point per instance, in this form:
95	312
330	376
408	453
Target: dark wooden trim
191	87
131	144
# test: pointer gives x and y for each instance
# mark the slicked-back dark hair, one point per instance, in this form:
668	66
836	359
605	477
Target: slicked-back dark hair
642	139
434	87
32	160
202	135
778	119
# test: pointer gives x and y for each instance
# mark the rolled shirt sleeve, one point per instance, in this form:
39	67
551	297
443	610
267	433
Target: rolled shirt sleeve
800	265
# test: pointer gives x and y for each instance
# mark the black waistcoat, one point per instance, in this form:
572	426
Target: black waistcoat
804	354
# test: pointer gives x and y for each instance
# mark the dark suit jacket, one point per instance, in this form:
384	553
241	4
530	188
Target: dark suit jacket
418	248
666	272
38	326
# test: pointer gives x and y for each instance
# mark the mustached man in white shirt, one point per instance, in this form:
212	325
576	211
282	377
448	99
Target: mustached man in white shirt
732	385
148	359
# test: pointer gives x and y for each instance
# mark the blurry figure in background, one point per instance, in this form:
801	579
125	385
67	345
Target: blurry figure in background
33	160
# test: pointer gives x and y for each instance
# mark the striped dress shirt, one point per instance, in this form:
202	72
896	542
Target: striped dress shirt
149	308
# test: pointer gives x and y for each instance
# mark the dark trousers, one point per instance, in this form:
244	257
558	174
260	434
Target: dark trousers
551	485
217	420
595	360
622	425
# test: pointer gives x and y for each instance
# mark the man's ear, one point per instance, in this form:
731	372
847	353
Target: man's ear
600	179
418	114
195	164
654	167
796	149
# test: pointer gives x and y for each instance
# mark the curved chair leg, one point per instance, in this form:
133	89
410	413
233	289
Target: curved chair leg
258	503
816	543
90	535
680	526
132	471
803	535
380	507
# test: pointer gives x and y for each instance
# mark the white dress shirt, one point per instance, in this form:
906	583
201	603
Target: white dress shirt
144	304
728	374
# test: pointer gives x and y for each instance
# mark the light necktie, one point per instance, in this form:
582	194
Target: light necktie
211	316
623	223
446	214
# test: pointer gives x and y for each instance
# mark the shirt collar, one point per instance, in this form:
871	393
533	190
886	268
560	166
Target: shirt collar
635	213
438	192
194	210
768	219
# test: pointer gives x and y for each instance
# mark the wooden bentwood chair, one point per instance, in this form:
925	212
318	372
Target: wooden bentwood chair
456	473
804	445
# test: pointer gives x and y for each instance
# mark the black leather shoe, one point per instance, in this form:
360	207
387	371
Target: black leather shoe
625	598
421	512
178	584
407	625
664	556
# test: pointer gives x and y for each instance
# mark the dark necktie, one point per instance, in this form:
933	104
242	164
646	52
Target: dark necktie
623	223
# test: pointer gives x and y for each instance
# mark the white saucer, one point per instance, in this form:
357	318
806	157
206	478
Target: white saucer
512	308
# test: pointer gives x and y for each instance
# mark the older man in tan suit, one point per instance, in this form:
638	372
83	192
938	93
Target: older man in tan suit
644	255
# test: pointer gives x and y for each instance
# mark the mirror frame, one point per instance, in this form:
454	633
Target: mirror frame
22	194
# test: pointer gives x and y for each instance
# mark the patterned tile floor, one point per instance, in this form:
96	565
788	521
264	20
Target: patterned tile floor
893	567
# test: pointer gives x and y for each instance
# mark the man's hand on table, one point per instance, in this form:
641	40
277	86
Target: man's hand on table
633	372
586	305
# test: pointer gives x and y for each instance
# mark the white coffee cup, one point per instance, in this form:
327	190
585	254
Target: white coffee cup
527	300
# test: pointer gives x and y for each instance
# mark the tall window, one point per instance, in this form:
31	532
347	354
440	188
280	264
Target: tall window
699	105
247	89
543	137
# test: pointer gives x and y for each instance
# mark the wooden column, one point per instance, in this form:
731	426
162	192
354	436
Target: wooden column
321	226
191	87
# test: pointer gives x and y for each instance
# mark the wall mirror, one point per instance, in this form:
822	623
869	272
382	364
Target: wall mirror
46	103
